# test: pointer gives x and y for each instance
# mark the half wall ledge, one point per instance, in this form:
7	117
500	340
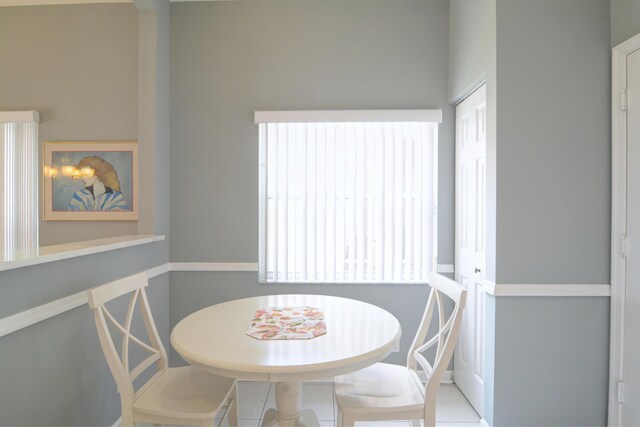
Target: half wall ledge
60	252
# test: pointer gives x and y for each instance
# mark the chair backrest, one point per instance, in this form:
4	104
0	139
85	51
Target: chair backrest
119	362
444	339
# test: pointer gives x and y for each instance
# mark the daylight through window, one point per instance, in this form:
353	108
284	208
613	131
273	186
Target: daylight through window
348	200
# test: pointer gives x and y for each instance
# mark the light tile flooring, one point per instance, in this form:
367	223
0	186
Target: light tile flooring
254	398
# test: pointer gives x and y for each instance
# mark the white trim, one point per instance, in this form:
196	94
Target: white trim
214	266
445	268
618	222
159	270
76	249
118	422
37	314
29	116
42	312
547	290
46	311
472	87
484	423
489	287
4	3
334	116
447	377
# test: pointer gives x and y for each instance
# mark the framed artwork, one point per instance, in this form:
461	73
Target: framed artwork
90	181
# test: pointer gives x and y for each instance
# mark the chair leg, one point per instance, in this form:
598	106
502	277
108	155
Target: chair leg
127	419
430	420
345	420
232	412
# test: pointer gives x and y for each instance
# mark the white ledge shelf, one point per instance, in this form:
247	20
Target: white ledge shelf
76	249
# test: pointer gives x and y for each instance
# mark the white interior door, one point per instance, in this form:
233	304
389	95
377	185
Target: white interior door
470	243
631	356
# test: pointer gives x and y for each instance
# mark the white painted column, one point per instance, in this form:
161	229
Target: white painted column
18	183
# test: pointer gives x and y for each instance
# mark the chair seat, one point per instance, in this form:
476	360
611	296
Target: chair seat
186	393
379	388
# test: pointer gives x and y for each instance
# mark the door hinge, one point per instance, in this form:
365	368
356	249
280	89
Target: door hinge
623	99
624	246
620	392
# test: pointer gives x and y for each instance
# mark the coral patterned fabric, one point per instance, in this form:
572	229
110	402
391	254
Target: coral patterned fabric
287	323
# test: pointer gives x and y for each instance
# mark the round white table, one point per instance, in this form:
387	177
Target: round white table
214	339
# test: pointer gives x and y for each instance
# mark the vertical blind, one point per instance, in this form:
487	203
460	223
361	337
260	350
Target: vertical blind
347	202
18	184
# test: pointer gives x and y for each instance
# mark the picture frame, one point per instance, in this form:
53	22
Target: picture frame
90	181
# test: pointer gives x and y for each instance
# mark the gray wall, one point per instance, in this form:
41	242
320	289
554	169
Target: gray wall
472	61
153	115
231	58
553	210
547	68
469	39
625	20
81	74
54	372
554	141
78	66
551	361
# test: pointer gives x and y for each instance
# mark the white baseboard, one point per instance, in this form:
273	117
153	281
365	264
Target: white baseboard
447	377
118	423
484	423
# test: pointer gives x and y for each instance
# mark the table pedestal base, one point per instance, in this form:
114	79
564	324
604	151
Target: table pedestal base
288	413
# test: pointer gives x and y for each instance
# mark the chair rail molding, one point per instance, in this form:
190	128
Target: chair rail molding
42	312
445	268
547	290
214	266
46	311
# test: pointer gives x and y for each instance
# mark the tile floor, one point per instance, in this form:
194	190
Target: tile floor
254	398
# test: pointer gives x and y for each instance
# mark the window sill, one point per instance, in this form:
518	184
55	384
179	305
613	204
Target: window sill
76	249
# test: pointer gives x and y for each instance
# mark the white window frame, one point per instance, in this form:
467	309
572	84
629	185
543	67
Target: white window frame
338	116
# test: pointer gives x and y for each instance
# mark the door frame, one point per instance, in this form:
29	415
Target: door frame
473	89
618	223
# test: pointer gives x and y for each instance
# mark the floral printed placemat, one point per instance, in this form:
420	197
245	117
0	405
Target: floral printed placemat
287	323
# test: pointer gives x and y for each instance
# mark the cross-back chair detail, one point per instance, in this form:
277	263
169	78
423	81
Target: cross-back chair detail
444	339
157	401
366	395
119	362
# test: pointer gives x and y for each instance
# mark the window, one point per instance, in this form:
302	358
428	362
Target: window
18	183
347	196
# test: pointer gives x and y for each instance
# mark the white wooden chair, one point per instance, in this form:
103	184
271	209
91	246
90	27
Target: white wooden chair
184	396
392	392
